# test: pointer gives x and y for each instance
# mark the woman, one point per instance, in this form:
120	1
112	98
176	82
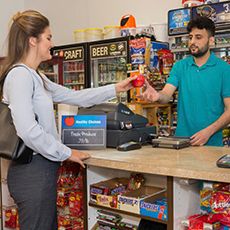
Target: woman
33	186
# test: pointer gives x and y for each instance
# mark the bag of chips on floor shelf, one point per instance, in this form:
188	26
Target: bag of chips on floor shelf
220	202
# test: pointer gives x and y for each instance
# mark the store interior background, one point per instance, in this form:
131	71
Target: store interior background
67	16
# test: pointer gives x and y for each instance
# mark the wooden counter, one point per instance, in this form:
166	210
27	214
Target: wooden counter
192	162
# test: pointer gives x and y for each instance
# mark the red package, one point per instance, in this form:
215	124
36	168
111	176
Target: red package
226	220
76	204
64	221
78	224
213	218
196	222
165	60
220	202
11	216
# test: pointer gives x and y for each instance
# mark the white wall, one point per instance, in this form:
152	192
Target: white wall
7	9
67	16
109	12
64	16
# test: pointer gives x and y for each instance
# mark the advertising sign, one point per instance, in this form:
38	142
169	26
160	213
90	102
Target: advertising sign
178	20
84	131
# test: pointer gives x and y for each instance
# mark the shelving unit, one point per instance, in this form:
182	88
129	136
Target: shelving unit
97	174
151	111
50	69
7	202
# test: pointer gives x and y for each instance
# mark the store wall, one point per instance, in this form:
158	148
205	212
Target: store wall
146	12
67	16
7	9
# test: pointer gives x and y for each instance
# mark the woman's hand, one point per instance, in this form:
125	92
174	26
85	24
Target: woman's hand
78	157
125	85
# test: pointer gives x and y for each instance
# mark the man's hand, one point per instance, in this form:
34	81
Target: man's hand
201	138
78	157
150	94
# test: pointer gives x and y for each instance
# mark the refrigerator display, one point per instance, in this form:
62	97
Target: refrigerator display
72	67
50	69
108	62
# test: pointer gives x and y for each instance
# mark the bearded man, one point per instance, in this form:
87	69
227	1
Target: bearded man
203	84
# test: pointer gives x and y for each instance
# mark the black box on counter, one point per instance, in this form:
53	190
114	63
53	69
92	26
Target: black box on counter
118	137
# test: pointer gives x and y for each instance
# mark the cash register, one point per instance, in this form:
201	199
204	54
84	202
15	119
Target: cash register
123	125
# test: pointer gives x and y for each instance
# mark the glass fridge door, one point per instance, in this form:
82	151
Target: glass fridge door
72	67
108	64
73	74
50	69
108	71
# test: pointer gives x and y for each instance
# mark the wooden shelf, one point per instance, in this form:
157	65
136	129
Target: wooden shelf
73	71
77	83
127	213
149	110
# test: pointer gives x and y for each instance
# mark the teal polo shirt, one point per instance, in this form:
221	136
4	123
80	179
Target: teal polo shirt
201	91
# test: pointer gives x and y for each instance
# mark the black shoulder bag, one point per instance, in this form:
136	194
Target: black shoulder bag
12	147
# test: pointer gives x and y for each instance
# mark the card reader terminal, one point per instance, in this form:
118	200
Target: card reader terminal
224	161
131	145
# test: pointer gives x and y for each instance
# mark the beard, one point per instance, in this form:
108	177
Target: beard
200	52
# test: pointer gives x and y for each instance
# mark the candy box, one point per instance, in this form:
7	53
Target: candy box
107	200
154	207
109	187
130	200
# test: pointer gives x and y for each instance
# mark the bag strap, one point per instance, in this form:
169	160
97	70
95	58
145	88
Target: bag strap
20	65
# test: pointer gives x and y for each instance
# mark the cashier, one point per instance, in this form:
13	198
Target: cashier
203	84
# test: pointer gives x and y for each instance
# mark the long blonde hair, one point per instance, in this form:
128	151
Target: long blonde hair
29	23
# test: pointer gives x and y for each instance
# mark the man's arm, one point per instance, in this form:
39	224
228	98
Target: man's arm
162	96
201	137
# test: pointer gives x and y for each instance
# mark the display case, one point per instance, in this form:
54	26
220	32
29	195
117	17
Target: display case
50	69
72	66
131	213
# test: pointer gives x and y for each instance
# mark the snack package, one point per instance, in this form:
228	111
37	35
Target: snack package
165	61
200	222
140	51
220	202
11	218
225	220
76	204
205	195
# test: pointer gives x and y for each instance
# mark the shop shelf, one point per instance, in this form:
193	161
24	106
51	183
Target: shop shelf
126	213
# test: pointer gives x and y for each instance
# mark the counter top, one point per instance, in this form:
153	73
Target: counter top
191	162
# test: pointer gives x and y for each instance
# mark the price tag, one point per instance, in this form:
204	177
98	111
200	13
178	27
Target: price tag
84	131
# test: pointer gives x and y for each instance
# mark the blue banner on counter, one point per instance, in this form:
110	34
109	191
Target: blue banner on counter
84	131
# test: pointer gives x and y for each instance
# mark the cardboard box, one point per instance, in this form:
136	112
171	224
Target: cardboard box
107	200
110	187
155	207
130	201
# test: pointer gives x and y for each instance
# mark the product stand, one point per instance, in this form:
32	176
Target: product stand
7	202
85	204
1	213
97	174
180	171
149	110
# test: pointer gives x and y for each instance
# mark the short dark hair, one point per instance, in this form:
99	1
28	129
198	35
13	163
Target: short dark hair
202	23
